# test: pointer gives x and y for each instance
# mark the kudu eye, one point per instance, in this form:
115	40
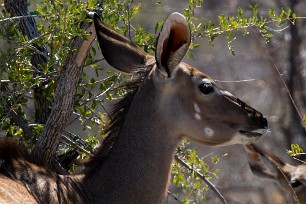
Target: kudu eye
206	88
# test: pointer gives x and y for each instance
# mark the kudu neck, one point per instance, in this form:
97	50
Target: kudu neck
138	165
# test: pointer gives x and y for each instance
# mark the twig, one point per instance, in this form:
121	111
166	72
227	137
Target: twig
33	48
93	62
300	159
100	94
128	16
283	81
276	30
23	125
58	167
296	199
237	81
21	17
67	136
201	176
174	197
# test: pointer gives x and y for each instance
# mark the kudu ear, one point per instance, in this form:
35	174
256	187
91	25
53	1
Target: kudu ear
173	42
119	51
263	163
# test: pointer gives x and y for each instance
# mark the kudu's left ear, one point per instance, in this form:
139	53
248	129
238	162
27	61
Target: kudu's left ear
119	51
173	42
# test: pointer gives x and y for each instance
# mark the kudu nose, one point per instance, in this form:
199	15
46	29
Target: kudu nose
257	118
258	121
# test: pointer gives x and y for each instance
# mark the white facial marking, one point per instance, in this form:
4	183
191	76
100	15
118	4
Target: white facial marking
208	131
196	108
239	138
226	93
197	116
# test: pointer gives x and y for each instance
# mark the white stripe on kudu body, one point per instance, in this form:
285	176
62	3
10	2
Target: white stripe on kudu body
167	101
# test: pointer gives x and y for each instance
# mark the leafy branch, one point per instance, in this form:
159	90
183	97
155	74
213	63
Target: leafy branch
202	177
229	24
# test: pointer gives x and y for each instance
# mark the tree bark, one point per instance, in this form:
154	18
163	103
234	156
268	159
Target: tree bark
55	120
64	99
28	28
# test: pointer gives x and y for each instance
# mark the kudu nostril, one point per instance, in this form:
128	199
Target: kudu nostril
241	103
264	123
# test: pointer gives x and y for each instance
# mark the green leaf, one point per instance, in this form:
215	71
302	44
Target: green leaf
39	9
295	150
272	13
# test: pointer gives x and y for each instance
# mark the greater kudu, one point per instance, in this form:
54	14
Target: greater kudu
167	100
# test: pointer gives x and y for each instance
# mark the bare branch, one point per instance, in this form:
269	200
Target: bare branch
67	137
174	197
58	167
21	17
24	126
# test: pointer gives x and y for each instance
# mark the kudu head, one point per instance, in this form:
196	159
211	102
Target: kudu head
267	165
186	100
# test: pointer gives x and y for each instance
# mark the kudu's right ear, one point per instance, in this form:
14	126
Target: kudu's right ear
119	51
173	43
262	163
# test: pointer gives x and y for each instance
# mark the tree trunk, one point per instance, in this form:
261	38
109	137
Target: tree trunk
28	28
64	99
62	108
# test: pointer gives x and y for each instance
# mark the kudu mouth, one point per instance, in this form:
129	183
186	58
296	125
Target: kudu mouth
258	123
255	133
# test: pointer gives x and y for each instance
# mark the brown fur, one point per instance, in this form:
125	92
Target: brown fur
116	116
12	192
15	161
44	186
10	151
